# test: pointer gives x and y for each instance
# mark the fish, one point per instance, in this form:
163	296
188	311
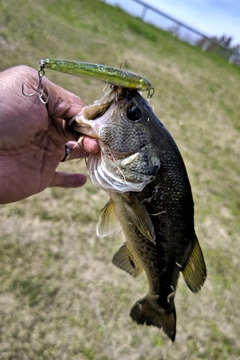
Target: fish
142	170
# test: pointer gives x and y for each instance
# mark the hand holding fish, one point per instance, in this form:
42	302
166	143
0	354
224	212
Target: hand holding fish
33	136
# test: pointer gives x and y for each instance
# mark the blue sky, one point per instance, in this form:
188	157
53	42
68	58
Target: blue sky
211	17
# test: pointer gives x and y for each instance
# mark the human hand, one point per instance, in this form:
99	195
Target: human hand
33	136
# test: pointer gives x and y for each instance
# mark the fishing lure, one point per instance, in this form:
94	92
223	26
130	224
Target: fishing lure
107	74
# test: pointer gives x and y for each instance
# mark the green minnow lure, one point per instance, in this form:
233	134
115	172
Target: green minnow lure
117	77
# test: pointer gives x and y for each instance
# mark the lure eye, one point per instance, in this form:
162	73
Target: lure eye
134	113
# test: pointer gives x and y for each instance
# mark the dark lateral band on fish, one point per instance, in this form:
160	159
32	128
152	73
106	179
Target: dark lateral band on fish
113	76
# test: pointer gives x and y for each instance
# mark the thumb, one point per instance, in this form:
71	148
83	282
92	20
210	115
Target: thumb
62	104
68	180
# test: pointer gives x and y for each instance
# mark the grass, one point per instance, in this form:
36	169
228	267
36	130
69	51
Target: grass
60	296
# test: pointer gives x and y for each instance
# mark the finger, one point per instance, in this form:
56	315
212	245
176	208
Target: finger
66	180
82	149
90	145
62	103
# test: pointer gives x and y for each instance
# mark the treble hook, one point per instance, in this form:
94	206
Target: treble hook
39	91
151	91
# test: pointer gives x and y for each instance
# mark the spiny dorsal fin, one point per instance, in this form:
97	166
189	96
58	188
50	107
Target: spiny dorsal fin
140	217
126	260
107	222
195	271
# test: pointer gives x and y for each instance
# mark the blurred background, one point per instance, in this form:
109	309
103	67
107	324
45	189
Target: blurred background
60	296
212	25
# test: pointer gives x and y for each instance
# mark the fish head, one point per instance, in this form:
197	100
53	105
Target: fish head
125	127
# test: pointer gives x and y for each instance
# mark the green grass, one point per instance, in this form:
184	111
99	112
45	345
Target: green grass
60	296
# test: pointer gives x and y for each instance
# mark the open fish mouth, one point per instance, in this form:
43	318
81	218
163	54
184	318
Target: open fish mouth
83	122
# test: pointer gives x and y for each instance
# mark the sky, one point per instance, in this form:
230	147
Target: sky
211	17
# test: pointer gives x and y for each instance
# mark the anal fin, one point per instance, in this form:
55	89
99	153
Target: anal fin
126	260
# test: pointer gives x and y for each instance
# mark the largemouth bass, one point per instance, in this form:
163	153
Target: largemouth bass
150	195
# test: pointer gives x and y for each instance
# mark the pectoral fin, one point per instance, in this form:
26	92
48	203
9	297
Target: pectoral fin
107	222
126	260
139	216
195	271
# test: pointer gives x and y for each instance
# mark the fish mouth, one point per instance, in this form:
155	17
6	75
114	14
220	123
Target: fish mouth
84	122
85	129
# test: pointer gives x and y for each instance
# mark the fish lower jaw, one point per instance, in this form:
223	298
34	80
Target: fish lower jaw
83	126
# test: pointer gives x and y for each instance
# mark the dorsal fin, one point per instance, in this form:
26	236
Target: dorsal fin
195	271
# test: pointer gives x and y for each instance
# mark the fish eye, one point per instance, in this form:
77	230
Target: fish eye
134	113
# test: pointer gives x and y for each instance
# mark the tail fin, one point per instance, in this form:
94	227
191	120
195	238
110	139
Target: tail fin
147	311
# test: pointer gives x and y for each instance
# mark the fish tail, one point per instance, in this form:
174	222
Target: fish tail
147	311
